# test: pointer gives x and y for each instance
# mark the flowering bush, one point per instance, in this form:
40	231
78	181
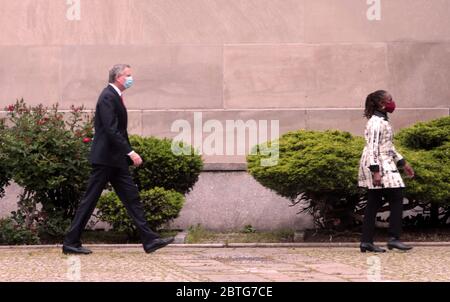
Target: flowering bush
12	233
46	151
5	174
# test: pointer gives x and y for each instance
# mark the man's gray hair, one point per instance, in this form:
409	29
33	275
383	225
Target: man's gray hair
116	71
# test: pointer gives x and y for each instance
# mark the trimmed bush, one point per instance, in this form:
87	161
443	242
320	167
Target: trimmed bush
426	135
160	206
432	176
163	179
318	170
162	168
426	146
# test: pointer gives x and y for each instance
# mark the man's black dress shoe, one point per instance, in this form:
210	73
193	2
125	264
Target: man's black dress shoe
76	250
370	247
397	244
157	244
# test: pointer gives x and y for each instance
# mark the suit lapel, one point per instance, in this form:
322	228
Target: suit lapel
119	104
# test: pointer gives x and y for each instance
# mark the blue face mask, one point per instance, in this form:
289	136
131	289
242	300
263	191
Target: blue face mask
128	82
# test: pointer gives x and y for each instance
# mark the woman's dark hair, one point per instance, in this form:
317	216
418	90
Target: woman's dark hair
373	101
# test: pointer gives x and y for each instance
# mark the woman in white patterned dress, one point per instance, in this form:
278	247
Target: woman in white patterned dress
379	172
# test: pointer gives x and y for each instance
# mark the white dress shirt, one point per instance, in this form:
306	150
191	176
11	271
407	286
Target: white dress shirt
120	93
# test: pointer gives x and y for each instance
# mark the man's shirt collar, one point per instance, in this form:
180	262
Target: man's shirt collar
116	89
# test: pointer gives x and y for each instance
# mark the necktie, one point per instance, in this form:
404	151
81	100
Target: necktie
121	97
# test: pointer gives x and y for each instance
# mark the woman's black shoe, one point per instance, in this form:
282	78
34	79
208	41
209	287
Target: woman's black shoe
397	244
370	247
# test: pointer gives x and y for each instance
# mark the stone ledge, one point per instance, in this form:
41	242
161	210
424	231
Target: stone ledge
180	238
217	167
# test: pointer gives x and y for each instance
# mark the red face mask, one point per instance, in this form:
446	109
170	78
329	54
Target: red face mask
390	107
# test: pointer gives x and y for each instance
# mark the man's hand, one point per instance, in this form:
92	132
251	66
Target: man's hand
376	179
137	160
408	170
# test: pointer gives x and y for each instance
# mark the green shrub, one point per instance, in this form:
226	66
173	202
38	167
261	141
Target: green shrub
432	176
426	146
162	179
318	170
13	234
426	135
160	206
47	153
198	234
248	229
162	168
53	226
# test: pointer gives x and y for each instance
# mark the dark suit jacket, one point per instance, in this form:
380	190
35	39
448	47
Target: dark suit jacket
111	144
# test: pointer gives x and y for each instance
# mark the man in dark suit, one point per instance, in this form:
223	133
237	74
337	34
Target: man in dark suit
110	156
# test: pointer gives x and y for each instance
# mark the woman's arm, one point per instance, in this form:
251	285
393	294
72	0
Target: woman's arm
401	163
398	158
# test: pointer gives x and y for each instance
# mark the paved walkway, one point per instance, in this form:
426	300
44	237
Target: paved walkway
183	263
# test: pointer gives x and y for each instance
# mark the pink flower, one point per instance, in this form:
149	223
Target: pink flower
87	140
11	108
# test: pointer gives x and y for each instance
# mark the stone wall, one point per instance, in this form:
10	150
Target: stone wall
224	198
